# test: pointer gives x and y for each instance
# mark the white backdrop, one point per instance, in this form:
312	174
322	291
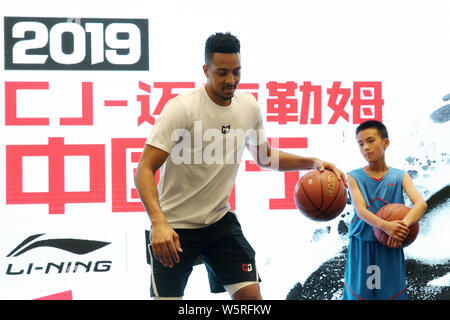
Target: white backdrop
403	46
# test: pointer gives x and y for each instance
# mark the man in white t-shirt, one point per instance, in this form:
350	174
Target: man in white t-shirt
197	143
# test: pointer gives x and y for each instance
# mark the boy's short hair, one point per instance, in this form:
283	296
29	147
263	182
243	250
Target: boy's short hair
382	130
222	43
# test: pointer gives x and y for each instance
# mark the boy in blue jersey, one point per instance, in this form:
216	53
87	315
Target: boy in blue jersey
374	271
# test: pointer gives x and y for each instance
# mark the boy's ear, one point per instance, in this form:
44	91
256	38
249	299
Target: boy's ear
386	142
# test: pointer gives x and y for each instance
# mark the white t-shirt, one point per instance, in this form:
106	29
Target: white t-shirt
205	143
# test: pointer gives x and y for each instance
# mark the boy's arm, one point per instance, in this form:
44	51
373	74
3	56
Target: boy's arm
396	229
419	205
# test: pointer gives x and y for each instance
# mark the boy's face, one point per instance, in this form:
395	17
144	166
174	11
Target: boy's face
371	145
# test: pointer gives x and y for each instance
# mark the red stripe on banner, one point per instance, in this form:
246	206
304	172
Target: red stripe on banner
66	295
87	108
116	103
251	165
11	118
136	156
134	194
144	86
293	143
56	197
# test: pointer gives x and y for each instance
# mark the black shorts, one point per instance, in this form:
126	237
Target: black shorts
226	253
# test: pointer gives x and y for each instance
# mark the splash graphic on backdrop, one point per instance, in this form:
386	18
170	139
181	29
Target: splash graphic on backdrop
425	279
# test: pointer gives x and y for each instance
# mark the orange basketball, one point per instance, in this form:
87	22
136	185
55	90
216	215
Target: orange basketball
320	196
392	212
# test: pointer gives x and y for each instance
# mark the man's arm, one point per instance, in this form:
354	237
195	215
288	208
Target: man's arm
165	241
271	158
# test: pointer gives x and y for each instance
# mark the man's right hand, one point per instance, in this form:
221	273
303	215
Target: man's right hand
165	244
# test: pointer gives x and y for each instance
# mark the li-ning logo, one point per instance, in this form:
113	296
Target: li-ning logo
75	246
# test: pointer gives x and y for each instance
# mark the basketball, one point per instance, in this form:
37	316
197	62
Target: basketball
391	212
320	196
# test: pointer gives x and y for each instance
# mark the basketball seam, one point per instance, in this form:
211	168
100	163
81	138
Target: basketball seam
307	196
321	213
338	209
331	213
306	210
390	212
321	190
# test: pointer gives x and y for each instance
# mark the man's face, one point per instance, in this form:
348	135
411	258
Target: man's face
223	75
371	145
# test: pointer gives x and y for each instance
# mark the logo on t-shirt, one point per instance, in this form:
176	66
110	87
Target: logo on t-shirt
226	129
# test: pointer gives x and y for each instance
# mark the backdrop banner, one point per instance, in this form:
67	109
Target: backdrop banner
83	83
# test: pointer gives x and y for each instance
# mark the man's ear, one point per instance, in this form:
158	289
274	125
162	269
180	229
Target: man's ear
386	142
205	70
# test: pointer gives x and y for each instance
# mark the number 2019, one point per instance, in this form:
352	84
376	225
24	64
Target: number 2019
99	37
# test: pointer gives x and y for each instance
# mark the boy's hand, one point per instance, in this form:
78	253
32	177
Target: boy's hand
394	243
396	229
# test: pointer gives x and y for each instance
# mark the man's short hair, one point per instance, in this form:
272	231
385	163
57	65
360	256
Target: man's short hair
221	43
382	130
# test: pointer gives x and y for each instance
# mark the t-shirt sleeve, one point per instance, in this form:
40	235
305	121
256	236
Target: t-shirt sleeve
169	126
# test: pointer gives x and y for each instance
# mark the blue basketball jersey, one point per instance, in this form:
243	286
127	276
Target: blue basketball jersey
376	193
